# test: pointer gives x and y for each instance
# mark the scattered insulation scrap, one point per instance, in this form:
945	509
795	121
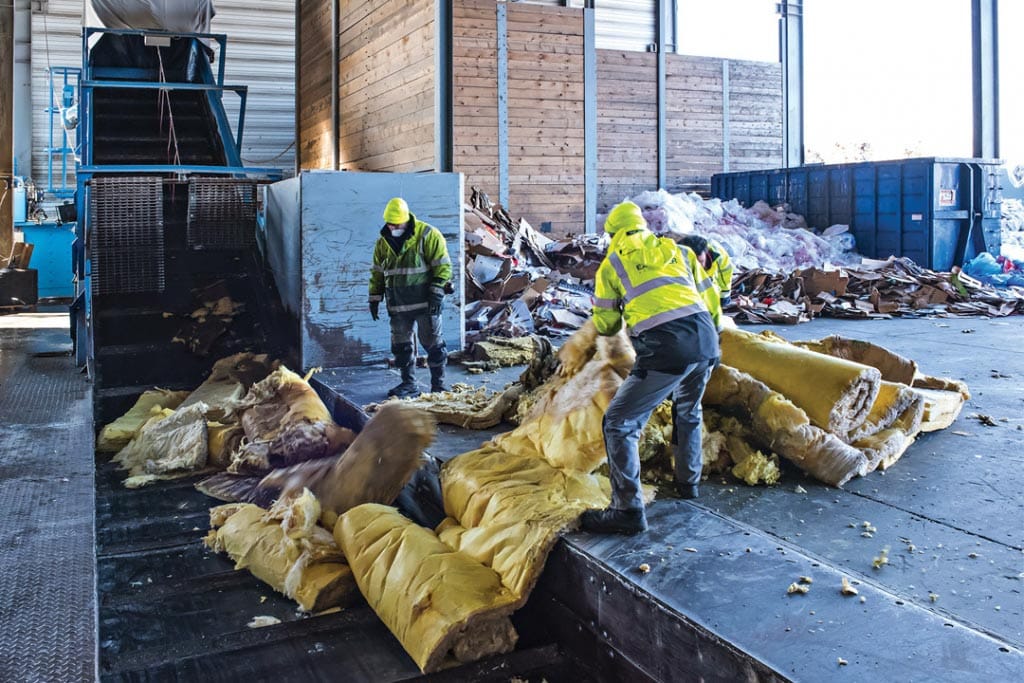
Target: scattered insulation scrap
212	318
286	548
507	502
847	588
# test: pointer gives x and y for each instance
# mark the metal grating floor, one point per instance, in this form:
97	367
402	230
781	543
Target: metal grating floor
47	561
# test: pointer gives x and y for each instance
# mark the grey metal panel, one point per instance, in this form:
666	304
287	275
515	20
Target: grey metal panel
341	220
282	241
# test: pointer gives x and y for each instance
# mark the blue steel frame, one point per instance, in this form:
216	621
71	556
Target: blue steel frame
92	78
68	76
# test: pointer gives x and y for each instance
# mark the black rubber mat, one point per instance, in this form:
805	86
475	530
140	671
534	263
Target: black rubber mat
47	614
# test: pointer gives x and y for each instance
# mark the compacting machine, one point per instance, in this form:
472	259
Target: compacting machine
167	214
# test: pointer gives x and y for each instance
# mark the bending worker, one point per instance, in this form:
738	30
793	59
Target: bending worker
646	281
714	260
411	272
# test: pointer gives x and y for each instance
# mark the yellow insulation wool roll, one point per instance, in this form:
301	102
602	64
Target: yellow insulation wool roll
443	606
782	427
285	548
836	394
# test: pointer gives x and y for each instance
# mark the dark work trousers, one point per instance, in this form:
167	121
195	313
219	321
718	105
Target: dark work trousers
428	329
629	411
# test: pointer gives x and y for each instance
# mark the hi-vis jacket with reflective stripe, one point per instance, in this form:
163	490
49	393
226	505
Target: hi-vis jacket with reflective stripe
721	269
709	291
406	279
646	279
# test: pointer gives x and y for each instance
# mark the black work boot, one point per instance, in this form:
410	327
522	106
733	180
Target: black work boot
408	388
612	521
687	491
437	380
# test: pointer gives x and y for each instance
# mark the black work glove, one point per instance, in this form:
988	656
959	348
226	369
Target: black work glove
725	301
434	300
375	310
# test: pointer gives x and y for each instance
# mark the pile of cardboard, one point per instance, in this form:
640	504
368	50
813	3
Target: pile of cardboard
872	289
519	281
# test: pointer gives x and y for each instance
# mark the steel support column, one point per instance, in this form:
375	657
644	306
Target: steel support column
298	86
661	29
985	77
6	131
791	53
589	119
443	104
335	88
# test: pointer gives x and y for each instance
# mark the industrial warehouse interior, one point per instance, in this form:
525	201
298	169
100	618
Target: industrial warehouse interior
511	341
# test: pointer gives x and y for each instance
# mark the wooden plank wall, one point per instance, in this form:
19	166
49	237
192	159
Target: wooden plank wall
545	108
693	122
627	134
386	88
313	71
755	115
545	116
475	94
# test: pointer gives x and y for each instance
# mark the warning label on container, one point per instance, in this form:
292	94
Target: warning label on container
947	197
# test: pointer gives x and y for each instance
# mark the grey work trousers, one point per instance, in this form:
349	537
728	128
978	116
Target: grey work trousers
629	411
431	336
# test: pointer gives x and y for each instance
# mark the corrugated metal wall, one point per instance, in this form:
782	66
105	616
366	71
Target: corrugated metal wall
618	24
261	54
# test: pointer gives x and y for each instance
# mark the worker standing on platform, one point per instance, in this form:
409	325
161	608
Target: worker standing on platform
713	275
647	281
411	272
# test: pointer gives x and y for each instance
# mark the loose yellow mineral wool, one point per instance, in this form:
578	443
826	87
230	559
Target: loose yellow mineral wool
118	433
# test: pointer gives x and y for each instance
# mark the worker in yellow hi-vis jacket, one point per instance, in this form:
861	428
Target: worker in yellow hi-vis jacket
412	272
714	277
646	282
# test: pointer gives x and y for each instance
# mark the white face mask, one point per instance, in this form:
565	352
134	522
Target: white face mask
397	232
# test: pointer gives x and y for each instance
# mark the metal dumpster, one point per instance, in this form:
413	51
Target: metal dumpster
936	211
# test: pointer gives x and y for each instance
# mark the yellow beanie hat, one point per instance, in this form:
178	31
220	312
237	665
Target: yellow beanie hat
396	212
625	216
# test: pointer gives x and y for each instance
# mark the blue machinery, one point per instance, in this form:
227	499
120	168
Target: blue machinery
153	134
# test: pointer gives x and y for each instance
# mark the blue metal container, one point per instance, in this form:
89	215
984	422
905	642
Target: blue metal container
936	211
52	257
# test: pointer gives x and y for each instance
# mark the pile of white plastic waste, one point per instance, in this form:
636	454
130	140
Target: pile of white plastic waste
1013	229
755	237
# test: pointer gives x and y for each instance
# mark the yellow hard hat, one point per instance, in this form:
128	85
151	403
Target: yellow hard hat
396	212
624	216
